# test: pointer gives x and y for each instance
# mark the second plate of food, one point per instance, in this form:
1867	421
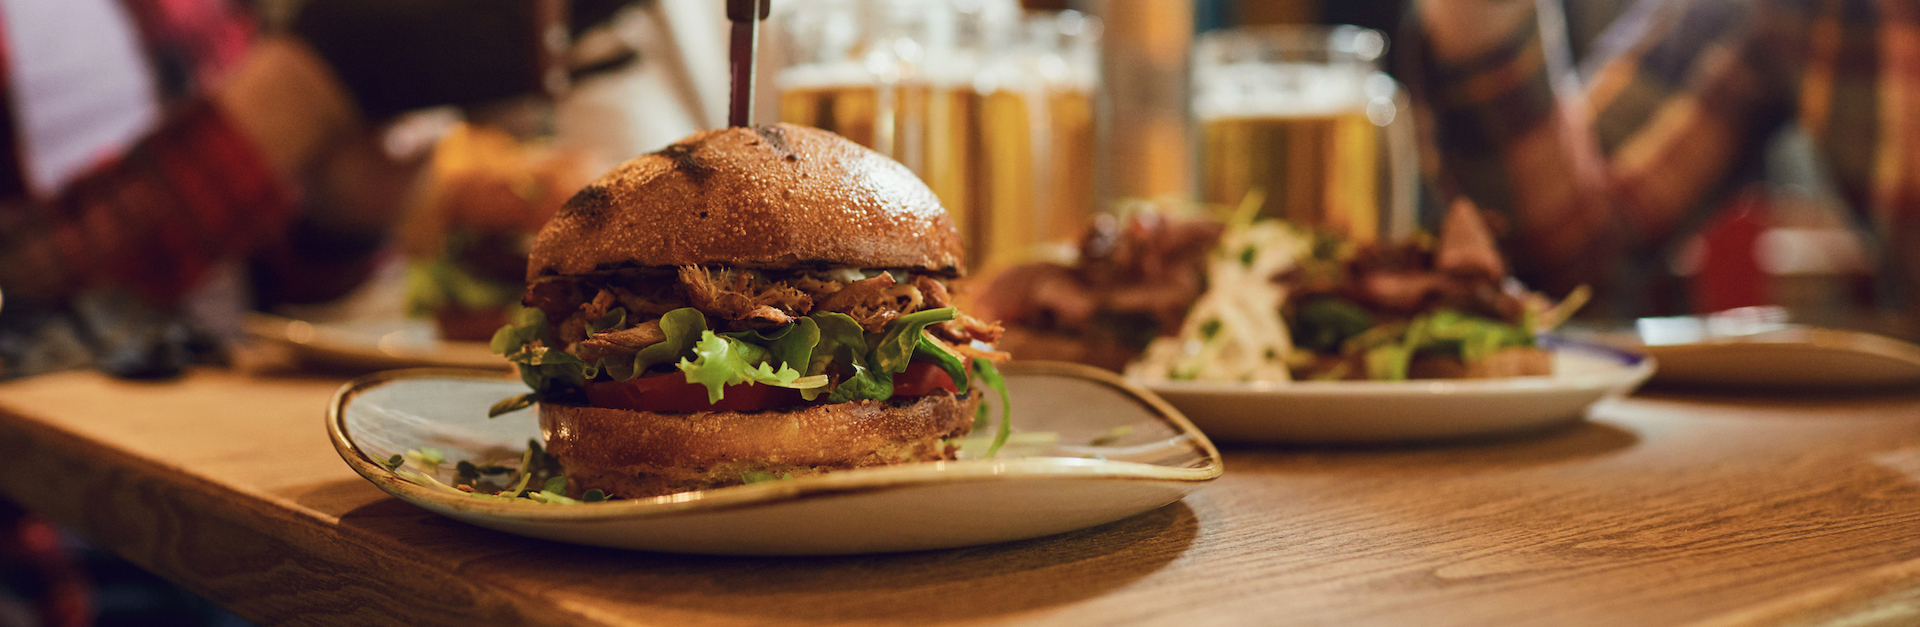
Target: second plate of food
1362	412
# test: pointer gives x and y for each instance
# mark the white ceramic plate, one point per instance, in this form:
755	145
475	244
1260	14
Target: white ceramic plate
1328	412
1119	451
1755	347
364	346
1800	358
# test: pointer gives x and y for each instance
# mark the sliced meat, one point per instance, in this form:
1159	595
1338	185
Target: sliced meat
574	327
933	291
870	302
964	328
599	306
1466	244
1399	291
622	342
817	288
968	352
733	295
1040	295
764	317
556	299
648	299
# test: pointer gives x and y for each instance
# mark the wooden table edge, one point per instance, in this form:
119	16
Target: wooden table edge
211	538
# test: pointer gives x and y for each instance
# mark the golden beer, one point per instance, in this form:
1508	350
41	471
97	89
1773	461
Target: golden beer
1319	170
1067	197
974	150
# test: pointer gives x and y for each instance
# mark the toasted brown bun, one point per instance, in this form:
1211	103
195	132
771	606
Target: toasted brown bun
637	454
761	197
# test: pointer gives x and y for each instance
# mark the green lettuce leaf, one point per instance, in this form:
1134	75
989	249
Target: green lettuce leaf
791	346
527	341
722	361
523	327
1388	350
1324	323
682	328
1473	337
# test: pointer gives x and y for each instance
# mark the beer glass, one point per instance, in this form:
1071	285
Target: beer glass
966	93
1304	115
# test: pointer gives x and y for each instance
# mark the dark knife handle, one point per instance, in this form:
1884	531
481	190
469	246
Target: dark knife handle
746	16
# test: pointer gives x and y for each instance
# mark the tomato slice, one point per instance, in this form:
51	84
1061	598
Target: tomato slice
672	392
921	379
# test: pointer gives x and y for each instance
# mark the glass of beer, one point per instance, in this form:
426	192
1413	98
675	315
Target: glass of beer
1304	114
991	108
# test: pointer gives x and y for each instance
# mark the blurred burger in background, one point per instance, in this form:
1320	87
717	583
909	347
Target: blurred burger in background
468	236
1138	271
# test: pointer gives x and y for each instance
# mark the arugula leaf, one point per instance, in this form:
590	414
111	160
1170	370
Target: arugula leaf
895	349
723	361
872	365
932	351
512	404
842	340
991	377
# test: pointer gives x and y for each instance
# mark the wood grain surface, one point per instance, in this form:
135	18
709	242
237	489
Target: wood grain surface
1666	510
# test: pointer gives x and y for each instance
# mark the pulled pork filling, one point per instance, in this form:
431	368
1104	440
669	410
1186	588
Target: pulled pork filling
734	299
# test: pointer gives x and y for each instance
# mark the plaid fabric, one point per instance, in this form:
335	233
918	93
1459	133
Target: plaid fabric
1672	121
193	193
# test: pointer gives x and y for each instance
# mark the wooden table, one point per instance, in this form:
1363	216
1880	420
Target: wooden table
1661	511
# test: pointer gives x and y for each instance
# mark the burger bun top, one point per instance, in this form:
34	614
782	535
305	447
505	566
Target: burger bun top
779	196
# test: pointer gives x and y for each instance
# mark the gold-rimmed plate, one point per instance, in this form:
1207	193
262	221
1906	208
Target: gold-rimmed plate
1092	449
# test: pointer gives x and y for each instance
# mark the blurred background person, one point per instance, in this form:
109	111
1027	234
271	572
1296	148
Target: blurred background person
170	162
1603	167
167	164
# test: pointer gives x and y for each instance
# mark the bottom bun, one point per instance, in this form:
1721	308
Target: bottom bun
637	454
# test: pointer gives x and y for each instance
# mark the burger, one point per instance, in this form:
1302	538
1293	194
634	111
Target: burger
466	237
747	304
1136	276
